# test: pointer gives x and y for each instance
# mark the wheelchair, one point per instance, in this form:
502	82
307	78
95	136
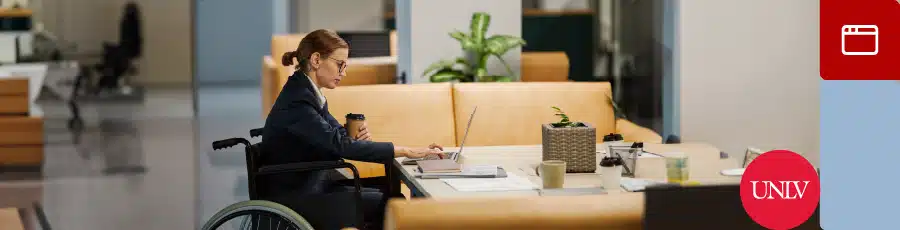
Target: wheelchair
262	213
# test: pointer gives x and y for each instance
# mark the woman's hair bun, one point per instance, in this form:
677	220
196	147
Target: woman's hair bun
288	58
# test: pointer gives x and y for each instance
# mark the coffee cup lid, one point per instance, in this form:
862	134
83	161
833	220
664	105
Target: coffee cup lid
356	116
608	162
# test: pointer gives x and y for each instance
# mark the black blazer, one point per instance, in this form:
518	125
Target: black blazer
298	130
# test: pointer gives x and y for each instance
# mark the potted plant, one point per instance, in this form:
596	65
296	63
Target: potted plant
572	142
478	48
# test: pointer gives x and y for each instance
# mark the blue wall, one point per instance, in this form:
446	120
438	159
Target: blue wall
231	38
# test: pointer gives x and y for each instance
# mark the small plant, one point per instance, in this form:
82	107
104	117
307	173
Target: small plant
478	47
564	120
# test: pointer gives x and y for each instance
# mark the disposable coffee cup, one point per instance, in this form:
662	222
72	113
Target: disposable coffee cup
354	122
611	173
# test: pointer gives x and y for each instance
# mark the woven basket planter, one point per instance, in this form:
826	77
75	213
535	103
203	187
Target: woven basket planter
577	146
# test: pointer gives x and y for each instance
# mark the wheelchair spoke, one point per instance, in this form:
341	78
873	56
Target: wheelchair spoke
252	220
244	223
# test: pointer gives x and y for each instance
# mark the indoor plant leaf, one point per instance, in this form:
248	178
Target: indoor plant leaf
446	64
500	78
465	41
479	26
500	44
445	75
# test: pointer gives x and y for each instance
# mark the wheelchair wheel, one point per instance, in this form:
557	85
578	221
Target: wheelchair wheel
257	214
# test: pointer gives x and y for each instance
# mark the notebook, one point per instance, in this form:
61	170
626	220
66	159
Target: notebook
468	171
439	166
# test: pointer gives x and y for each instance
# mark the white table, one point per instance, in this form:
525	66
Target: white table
704	163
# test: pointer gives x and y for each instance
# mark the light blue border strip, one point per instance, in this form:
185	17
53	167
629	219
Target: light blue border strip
860	155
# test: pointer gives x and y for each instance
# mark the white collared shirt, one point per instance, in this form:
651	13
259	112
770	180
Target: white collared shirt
318	91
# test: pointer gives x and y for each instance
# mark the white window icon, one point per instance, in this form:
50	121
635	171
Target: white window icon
859	40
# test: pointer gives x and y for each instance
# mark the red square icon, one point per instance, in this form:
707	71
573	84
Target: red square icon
859	40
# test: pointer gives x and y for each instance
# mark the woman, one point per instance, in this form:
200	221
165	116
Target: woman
299	128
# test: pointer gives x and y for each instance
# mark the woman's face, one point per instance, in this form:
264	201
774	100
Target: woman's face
332	68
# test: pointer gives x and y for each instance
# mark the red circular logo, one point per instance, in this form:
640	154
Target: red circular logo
780	189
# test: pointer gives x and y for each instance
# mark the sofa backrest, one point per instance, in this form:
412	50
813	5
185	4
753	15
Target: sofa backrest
545	66
408	115
512	113
612	211
270	83
280	45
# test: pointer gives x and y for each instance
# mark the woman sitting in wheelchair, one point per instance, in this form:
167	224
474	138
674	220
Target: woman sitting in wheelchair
299	128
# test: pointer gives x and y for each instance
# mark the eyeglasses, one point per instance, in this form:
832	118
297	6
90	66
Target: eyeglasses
341	64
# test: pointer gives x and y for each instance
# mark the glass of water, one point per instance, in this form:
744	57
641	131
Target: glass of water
677	170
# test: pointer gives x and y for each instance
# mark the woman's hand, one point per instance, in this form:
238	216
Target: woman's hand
432	149
435	146
424	152
364	134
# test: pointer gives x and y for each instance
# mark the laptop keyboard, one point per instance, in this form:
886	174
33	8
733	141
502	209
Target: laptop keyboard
450	155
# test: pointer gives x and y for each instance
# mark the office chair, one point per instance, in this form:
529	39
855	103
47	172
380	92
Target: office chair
261	212
118	59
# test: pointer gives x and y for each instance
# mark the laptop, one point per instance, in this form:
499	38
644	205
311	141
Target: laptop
450	155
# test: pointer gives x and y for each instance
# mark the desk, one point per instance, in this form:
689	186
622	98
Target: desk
704	163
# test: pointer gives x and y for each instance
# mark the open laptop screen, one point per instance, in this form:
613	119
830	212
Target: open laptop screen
466	135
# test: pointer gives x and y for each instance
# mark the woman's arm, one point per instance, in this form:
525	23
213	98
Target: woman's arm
309	126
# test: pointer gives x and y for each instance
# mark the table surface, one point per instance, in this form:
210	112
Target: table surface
704	163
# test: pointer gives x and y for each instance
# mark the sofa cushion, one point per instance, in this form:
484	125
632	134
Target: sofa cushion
408	115
512	113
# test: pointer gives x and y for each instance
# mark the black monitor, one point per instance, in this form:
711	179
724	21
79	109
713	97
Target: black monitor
702	207
368	44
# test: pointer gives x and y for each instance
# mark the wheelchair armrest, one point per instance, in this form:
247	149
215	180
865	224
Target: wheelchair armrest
306	167
256	132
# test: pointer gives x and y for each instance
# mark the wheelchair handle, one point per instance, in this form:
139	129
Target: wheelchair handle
256	132
230	142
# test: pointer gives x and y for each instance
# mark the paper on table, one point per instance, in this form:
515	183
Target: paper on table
509	183
636	184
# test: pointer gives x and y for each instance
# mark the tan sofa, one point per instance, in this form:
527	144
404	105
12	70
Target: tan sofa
545	66
614	211
508	113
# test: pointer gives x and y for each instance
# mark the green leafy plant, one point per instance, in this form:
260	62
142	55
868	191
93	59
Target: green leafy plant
564	119
479	47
